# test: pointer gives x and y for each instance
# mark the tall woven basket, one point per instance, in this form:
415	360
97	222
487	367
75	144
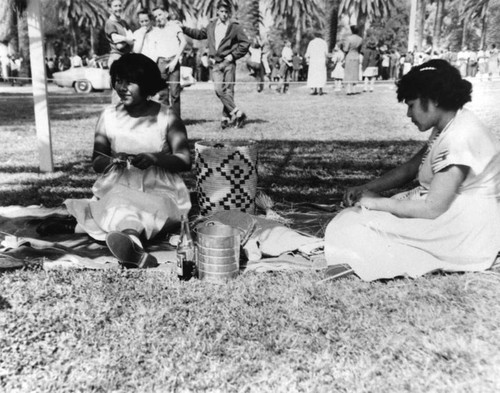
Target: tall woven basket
226	176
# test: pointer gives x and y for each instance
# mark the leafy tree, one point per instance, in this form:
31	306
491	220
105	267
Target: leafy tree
362	11
477	9
493	34
298	14
333	22
438	22
365	10
393	31
76	14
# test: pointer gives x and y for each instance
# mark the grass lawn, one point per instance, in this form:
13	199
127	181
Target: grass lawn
113	331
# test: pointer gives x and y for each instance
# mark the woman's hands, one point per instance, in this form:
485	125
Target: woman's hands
361	196
144	160
369	200
121	158
352	195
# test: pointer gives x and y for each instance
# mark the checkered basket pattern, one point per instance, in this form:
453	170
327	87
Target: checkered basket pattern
226	176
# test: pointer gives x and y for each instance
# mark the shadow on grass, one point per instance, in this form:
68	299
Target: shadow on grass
291	171
66	107
4	304
191	122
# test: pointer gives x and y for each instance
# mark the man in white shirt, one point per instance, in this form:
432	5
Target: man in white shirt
76	61
144	38
169	44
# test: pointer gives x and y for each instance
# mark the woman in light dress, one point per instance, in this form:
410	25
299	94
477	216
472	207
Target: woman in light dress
352	46
493	62
140	147
317	57
451	221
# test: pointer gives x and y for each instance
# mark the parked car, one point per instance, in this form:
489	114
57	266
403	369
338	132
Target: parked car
85	79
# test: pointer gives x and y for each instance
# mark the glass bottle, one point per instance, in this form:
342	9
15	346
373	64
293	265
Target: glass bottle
186	267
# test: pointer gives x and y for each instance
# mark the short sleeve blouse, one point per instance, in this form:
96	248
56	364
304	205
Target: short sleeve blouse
464	141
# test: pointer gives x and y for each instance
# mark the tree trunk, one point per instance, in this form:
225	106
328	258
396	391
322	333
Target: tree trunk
443	13
7	16
421	27
484	27
14	39
464	30
74	40
298	37
333	24
23	43
24	40
362	24
93	41
436	33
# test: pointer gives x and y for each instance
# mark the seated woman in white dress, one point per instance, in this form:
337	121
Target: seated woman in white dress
140	147
451	221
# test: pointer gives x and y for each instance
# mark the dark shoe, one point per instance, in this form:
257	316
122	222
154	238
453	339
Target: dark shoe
56	226
224	124
321	92
130	254
240	120
314	92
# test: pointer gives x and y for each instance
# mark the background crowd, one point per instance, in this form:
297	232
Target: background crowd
283	60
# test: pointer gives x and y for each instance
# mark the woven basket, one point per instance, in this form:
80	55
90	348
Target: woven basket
226	176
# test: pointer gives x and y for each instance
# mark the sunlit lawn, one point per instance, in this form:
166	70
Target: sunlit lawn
95	331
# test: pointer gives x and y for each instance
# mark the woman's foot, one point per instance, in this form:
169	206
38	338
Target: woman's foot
56	226
127	248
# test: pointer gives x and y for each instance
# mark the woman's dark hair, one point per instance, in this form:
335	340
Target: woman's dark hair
435	80
140	69
354	29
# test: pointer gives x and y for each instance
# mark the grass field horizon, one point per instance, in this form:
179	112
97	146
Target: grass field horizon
71	330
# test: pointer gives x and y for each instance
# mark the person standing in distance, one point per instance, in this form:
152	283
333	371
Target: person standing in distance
117	32
144	37
227	42
170	44
119	36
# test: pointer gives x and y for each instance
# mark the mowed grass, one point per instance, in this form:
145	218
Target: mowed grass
99	331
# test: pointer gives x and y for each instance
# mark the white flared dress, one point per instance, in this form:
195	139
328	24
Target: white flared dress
379	245
317	53
127	197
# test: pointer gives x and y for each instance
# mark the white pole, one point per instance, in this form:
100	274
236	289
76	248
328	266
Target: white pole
39	80
413	22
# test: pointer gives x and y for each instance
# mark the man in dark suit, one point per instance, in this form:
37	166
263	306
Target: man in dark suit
227	42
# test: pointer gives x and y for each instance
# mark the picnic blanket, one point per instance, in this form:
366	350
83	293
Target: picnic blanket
20	245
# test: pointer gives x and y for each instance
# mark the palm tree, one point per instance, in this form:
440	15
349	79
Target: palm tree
299	14
7	16
476	9
333	25
438	22
75	14
249	10
208	7
360	10
365	10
